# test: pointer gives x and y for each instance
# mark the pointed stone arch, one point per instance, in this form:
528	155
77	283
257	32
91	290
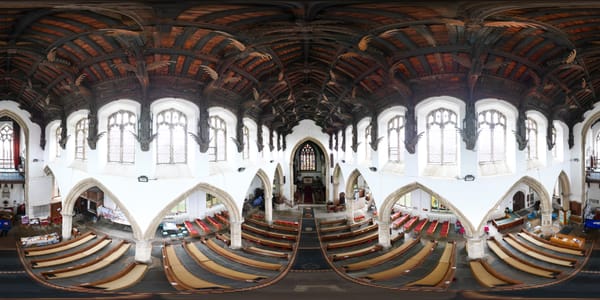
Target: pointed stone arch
325	159
337	179
278	175
565	189
545	200
349	188
25	127
235	214
587	125
385	210
85	184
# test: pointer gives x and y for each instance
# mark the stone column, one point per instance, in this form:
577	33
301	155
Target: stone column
269	209
476	247
547	223
143	251
67	225
235	234
385	239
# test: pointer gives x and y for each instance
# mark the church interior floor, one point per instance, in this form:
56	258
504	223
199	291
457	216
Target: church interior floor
155	280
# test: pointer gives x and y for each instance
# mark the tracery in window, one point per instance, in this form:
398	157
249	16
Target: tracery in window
218	139
441	137
246	137
81	133
532	136
121	142
307	158
492	136
6	146
396	139
171	141
405	200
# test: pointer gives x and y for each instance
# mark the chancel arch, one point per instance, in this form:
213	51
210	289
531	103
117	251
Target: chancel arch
310	169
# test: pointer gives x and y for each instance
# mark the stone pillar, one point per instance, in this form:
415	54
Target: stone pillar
143	251
385	239
269	209
476	247
235	228
547	223
67	225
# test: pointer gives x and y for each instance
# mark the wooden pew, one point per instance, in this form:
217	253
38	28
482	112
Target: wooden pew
395	216
203	225
432	227
190	228
271	234
241	259
377	260
222	219
445	229
131	275
410	223
441	274
73	256
405	267
364	239
62	246
398	222
345	235
91	266
346	227
531	252
224	238
487	276
286	223
272	226
332	222
214	223
180	277
545	244
211	266
421	225
266	252
266	242
355	253
519	264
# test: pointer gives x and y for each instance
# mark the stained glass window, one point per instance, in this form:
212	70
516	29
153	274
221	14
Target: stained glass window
6	146
307	158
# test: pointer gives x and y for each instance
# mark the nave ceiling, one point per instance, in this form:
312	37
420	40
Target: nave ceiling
280	62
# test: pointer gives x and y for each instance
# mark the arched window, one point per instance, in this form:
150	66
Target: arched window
246	137
532	138
441	137
405	200
367	142
6	146
121	143
81	133
492	136
218	139
171	141
396	139
307	158
57	136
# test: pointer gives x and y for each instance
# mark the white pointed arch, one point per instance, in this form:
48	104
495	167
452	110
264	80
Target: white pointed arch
70	199
325	162
385	209
226	200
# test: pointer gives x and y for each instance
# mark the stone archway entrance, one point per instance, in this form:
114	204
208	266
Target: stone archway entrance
309	167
